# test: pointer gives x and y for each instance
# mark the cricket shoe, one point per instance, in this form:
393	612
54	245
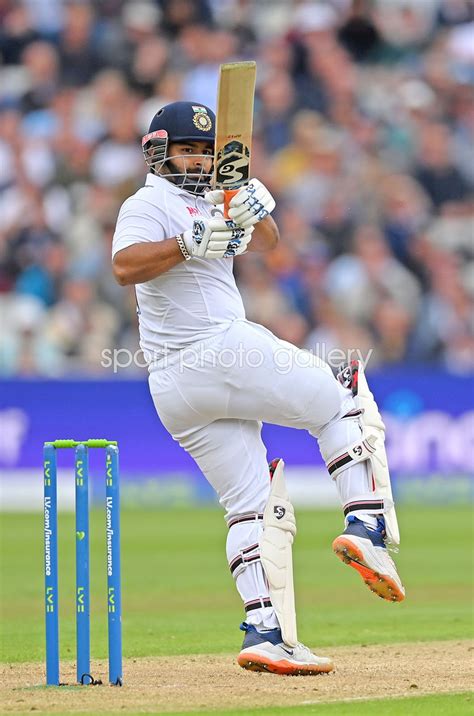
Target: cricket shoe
363	548
266	651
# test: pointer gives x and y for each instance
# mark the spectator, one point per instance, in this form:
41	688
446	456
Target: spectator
359	281
278	102
405	211
446	327
118	158
24	347
179	14
363	130
359	34
149	64
41	63
294	159
139	23
336	223
322	177
80	59
435	169
16	33
216	46
81	326
336	339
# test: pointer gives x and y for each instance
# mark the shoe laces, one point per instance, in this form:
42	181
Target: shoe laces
303	651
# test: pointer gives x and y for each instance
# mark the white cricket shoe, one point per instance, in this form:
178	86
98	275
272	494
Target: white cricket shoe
266	651
363	548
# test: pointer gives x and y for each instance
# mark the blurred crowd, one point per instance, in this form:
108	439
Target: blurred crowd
364	131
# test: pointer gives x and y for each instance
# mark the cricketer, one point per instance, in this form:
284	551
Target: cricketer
214	378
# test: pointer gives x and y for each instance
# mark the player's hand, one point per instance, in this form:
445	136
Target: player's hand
251	204
215	197
216	238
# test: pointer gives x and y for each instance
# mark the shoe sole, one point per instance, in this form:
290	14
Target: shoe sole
381	584
257	662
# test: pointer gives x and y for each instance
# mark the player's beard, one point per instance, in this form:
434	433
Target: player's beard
196	182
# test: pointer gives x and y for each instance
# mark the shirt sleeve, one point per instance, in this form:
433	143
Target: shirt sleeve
138	222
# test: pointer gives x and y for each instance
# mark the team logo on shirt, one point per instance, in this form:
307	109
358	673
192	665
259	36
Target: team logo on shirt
201	119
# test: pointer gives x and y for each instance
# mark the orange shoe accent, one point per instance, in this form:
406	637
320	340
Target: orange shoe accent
381	584
257	662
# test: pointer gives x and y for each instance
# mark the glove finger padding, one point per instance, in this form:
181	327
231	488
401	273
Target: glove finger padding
251	204
241	212
236	247
244	243
245	221
223	237
216	238
254	186
260	193
228	244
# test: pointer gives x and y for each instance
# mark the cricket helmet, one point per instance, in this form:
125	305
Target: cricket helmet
179	122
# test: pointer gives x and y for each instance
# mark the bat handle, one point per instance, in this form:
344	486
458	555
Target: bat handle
228	194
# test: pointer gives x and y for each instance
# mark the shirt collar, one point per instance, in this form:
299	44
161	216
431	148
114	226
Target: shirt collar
155	180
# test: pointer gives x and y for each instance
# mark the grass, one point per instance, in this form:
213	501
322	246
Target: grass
439	705
433	705
179	597
436	705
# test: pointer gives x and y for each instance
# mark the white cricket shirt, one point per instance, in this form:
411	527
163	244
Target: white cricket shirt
195	299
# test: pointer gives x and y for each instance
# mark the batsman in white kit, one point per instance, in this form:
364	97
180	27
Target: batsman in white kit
215	377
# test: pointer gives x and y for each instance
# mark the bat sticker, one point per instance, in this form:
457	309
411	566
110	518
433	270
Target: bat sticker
232	165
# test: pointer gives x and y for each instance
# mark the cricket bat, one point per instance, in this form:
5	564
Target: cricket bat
234	127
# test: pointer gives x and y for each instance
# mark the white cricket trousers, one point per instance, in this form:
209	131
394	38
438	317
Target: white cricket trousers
213	399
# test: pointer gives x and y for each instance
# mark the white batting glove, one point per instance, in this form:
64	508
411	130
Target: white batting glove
251	204
216	238
216	197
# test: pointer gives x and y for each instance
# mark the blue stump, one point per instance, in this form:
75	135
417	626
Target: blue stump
83	648
114	599
51	565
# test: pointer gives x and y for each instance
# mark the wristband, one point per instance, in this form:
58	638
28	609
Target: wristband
182	246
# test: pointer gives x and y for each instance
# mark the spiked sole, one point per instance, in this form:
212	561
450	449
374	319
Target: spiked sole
257	662
381	584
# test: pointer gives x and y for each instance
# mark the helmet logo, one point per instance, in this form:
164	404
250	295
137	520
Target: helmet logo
201	119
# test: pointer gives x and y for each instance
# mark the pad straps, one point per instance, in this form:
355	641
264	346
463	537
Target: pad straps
358	452
245	556
248	554
260	603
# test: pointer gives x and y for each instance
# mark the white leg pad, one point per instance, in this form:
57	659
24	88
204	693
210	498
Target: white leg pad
372	447
279	530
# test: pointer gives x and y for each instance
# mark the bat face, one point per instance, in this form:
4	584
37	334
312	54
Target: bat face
234	125
232	165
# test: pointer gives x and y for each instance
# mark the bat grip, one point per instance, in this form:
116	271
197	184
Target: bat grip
228	195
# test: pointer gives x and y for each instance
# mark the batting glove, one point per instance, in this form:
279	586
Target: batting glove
216	238
251	204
